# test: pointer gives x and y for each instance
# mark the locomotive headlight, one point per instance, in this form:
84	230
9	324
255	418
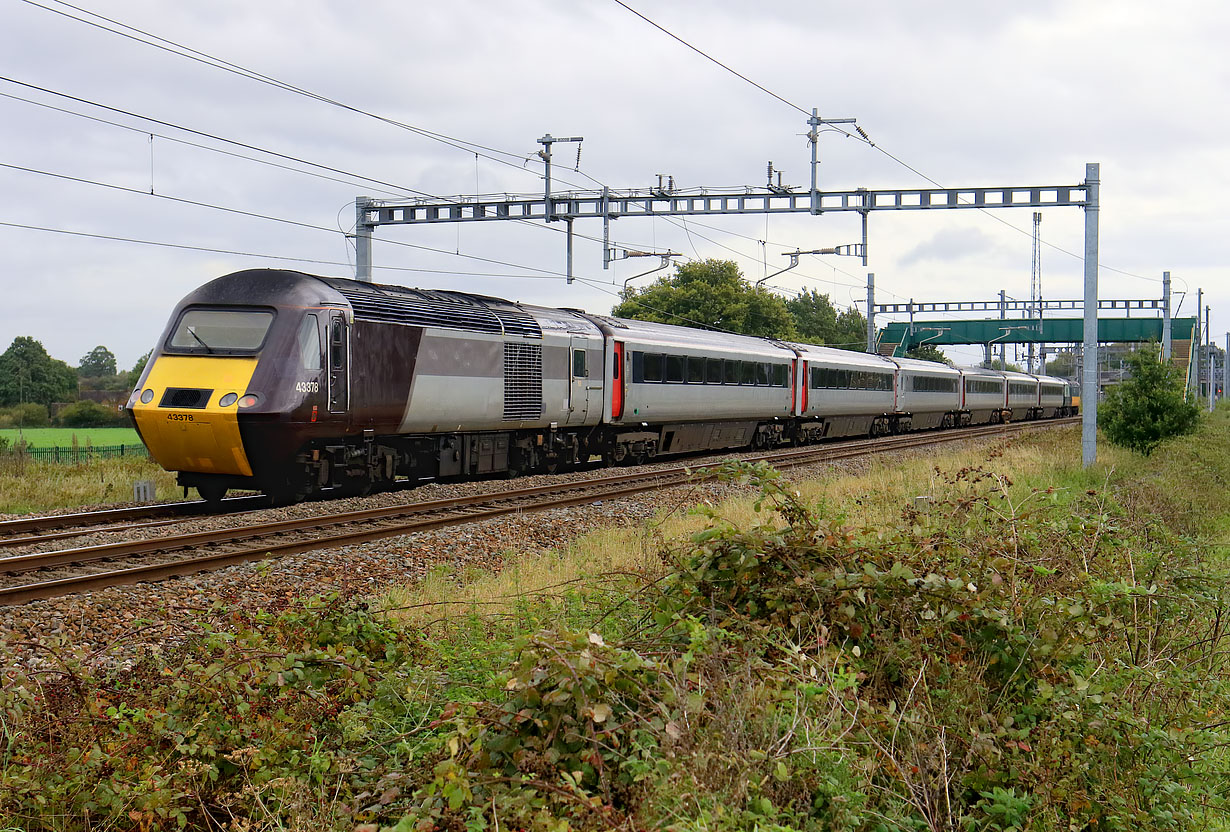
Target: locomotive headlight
228	400
249	400
147	396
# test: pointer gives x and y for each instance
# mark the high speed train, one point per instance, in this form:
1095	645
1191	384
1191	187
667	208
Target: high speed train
290	384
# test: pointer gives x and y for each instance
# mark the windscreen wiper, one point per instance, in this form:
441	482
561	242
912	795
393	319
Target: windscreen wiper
192	332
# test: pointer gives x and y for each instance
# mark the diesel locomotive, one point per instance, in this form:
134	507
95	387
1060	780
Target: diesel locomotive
291	384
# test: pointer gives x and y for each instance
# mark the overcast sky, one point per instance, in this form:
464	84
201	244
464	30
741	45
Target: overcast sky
964	92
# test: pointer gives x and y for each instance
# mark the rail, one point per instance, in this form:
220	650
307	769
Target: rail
259	541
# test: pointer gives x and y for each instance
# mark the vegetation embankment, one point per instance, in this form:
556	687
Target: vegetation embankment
1031	646
32	486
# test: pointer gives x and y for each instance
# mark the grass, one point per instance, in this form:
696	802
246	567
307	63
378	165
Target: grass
30	487
63	437
879	663
874	496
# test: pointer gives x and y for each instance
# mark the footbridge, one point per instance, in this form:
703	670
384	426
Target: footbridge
899	337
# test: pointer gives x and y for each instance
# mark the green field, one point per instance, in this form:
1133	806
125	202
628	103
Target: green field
63	437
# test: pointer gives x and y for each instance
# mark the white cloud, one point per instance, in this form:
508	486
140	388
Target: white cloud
967	92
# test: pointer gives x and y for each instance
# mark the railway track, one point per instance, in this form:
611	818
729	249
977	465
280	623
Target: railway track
26	530
159	558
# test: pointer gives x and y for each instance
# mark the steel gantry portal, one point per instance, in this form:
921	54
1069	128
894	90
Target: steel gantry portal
607	205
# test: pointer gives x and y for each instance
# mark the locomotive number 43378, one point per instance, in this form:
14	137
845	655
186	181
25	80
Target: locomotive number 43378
307	386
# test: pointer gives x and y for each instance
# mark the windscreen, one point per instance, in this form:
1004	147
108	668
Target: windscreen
220	330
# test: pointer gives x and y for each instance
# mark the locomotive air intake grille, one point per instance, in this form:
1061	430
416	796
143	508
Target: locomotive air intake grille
185	397
522	382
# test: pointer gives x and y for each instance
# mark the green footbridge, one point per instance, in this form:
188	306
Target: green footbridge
900	336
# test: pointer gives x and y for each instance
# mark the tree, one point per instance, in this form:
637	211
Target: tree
29	374
928	352
851	331
1148	407
1063	364
709	293
818	322
28	415
135	373
996	364
87	414
99	361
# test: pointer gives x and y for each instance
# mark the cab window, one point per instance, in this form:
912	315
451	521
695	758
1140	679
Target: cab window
309	343
225	331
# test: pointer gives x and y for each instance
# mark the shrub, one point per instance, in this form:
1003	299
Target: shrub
88	414
28	415
263	714
953	670
1149	407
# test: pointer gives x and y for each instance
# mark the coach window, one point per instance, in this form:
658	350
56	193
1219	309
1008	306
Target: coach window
309	342
747	373
580	367
781	375
674	368
713	371
653	366
696	370
732	371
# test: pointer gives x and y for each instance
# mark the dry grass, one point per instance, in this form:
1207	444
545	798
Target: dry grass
446	593
28	487
879	493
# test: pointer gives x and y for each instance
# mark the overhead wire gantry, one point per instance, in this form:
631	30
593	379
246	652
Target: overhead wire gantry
607	205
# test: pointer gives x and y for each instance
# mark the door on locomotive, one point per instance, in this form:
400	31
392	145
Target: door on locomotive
584	387
339	363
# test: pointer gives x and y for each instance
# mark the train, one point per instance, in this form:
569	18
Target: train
294	384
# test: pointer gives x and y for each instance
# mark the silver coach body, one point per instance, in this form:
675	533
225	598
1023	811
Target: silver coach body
1022	395
985	392
929	391
671	374
847	390
1054	394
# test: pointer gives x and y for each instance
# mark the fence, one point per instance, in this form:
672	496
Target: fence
72	455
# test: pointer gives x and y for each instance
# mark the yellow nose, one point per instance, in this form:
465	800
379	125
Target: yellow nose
191	431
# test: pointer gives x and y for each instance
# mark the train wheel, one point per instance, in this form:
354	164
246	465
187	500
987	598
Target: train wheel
211	493
356	487
617	455
289	492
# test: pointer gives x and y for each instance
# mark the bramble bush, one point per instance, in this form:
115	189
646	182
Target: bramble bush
1000	661
1004	658
231	722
